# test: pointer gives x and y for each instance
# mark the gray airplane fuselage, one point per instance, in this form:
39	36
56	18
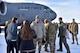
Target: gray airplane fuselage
25	11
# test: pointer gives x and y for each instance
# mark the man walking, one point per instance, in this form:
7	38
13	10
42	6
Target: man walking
61	35
50	35
39	29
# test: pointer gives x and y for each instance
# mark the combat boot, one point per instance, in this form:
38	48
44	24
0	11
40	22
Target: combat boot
46	50
39	51
77	43
72	42
60	50
68	51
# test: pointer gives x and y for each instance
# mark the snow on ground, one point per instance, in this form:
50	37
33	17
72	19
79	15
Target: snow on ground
74	48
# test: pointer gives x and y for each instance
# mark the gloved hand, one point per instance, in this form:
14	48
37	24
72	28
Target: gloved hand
70	31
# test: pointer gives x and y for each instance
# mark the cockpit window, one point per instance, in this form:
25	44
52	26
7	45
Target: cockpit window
51	11
45	8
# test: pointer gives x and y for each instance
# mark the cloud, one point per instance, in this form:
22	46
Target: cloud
42	2
61	3
45	2
68	15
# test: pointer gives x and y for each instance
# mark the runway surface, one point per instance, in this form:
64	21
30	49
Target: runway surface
74	48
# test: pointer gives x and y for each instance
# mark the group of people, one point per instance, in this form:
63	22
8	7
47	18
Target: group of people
31	34
63	28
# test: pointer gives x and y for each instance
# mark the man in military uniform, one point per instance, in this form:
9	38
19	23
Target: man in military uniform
61	35
73	27
38	27
50	35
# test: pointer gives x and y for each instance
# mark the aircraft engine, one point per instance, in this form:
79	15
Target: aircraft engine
3	8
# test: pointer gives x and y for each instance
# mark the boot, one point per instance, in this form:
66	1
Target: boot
39	51
72	42
46	50
77	43
60	50
68	51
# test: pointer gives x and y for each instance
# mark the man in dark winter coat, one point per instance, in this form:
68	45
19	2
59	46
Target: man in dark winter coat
61	35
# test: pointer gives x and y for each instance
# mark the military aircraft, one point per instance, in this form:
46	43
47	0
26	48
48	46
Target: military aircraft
24	11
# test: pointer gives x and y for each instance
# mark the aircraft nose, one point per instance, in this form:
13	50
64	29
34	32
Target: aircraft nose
53	16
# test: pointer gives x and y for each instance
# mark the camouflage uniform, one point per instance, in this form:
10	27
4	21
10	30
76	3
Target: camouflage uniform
73	27
50	36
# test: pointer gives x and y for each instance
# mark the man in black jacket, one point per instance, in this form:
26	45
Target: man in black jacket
61	35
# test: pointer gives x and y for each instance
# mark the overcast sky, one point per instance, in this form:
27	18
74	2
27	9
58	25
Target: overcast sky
67	9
